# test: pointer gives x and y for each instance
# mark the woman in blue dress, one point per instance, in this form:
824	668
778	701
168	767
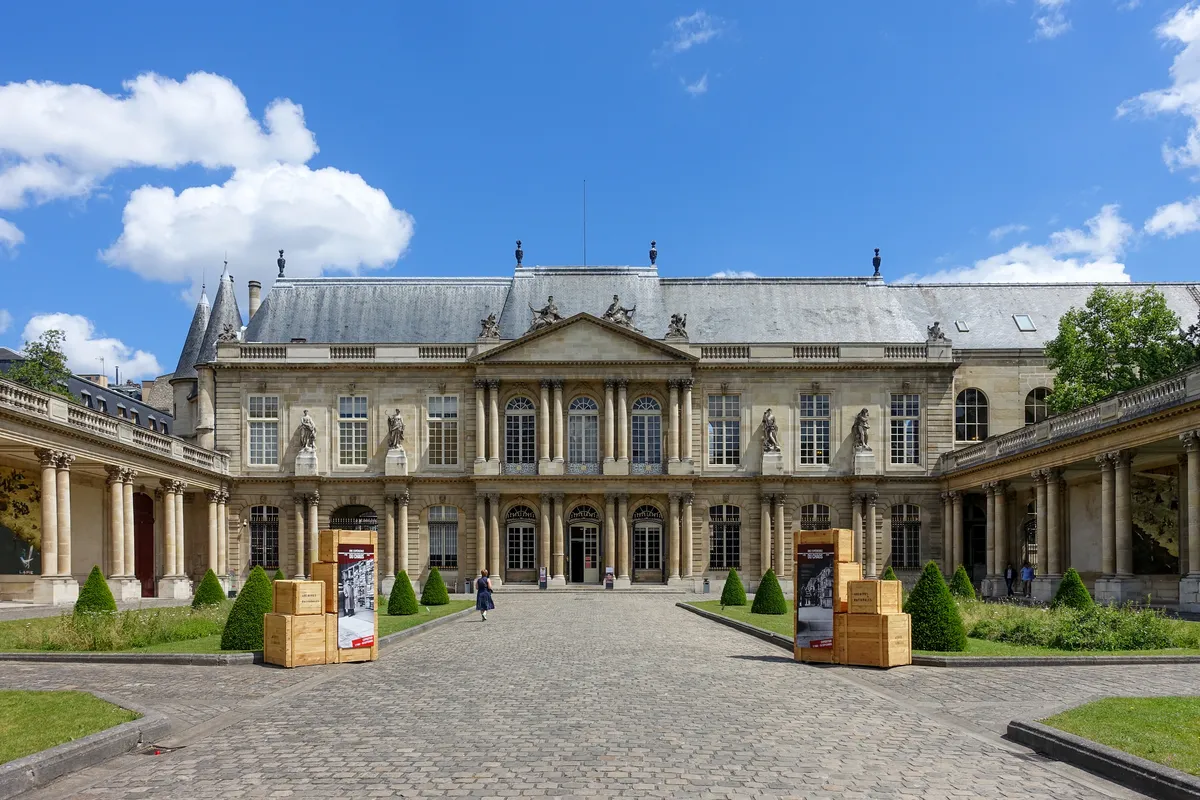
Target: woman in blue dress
483	594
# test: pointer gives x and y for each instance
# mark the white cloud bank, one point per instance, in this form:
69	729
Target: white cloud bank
734	273
61	141
5	320
691	30
697	88
10	236
1174	219
998	233
84	349
1050	19
1070	256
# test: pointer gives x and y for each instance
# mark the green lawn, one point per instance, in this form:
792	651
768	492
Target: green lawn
1165	730
395	624
33	721
779	623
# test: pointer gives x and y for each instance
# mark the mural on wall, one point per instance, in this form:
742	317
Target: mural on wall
1155	501
20	522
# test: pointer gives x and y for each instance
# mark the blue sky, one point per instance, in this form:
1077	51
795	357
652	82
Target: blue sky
969	139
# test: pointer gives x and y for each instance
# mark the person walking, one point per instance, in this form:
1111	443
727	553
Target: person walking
1010	575
1027	579
483	595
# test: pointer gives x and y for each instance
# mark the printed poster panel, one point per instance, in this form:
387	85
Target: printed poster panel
356	595
814	595
20	522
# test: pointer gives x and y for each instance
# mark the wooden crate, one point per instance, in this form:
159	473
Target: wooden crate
331	648
291	640
298	597
878	640
348	655
843	574
839	638
875	597
327	573
328	541
816	655
841	538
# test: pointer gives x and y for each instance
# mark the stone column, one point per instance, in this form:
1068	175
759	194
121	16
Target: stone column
168	527
764	535
673	421
544	533
1108	524
623	536
180	538
48	459
947	534
1124	519
211	555
389	537
1002	538
856	525
481	426
610	530
990	494
673	540
402	500
494	536
556	555
1053	523
127	542
559	432
63	485
480	532
622	421
314	501
1039	506
544	424
689	549
494	421
956	499
223	531
1191	446
871	540
298	538
781	548
116	523
686	433
610	451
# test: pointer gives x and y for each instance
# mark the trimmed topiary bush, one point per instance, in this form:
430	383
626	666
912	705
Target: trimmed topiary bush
403	600
95	596
209	592
769	597
244	628
434	593
960	584
936	622
889	574
1072	593
279	576
734	594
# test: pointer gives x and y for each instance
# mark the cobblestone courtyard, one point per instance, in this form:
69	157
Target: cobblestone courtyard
592	695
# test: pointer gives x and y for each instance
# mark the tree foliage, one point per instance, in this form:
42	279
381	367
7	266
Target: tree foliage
960	584
768	598
95	596
734	593
209	592
44	366
889	574
1072	593
403	600
936	622
244	628
278	576
1119	340
434	593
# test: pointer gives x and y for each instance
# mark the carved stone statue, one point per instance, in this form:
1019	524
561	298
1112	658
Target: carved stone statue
770	432
545	316
280	263
308	433
618	315
395	431
228	333
861	426
936	334
677	327
489	328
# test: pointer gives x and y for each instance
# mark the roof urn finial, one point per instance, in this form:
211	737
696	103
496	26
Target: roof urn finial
876	261
281	262
519	253
653	252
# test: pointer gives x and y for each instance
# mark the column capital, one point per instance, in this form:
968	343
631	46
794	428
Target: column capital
159	494
780	498
493	383
766	499
956	496
674	498
946	495
314	497
871	498
1053	474
689	498
127	475
1123	458
687	383
47	458
1105	460
557	384
212	495
547	497
610	383
480	383
1191	441
63	461
168	485
223	496
492	497
557	497
622	383
546	383
403	498
300	499
611	497
114	475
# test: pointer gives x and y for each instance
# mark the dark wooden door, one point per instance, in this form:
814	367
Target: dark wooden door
143	542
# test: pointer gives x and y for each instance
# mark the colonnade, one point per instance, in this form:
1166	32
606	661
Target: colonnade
56	512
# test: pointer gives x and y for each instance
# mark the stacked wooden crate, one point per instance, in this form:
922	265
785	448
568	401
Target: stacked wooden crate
295	632
325	570
877	632
845	570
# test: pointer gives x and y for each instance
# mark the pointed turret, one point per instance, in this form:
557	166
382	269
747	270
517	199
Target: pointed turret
225	318
186	368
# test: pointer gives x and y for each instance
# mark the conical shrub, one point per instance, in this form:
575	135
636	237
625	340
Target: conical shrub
434	593
769	597
279	576
209	592
734	594
403	600
95	596
960	584
936	623
244	628
889	574
1072	593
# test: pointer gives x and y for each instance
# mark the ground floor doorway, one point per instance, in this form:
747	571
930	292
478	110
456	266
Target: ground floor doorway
143	542
585	553
647	553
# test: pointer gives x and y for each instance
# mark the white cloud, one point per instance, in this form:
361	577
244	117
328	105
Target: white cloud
698	88
5	320
10	235
691	31
1070	256
84	349
734	273
1174	219
998	233
1050	17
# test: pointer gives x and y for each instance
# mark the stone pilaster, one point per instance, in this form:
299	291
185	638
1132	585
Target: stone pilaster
223	535
673	421
781	548
871	540
211	555
556	573
127	538
544	432
688	566
559	426
623	423
764	532
481	426
300	562
62	466
116	523
314	505
494	422
494	538
686	433
623	552
673	538
956	501
610	433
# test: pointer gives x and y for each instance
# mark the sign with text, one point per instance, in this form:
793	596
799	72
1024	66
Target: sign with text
356	595
814	594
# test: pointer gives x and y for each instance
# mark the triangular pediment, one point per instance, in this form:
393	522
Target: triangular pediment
584	338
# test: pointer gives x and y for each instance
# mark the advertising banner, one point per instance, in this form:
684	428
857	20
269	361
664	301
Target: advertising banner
814	595
356	595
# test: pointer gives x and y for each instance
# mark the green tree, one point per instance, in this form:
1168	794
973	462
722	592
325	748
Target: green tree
960	584
734	593
278	576
889	574
936	622
1072	593
244	627
1118	341
95	596
403	600
44	366
768	599
209	592
434	593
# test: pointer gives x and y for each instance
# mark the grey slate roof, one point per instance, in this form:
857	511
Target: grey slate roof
725	310
224	312
186	368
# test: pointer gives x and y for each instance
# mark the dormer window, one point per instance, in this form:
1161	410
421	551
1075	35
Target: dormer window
1024	323
87	399
961	326
102	405
121	412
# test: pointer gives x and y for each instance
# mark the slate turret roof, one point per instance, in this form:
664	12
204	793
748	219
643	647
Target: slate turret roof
224	312
186	368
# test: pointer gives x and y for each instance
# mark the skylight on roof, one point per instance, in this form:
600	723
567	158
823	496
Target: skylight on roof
961	325
1024	323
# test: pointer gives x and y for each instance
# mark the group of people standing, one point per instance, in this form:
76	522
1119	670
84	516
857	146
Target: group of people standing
1025	575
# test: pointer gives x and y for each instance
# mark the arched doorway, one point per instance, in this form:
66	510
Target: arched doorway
354	518
584	548
143	542
647	545
520	539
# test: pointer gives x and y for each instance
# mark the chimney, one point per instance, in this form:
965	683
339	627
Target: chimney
255	292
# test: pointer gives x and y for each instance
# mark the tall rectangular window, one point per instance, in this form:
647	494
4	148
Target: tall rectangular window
906	535
814	429
906	428
352	431
724	429
520	546
264	430
264	537
725	550
443	537
443	430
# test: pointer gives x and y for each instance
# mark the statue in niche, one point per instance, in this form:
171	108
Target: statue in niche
620	316
936	334
308	433
395	431
861	426
770	432
677	328
489	328
545	316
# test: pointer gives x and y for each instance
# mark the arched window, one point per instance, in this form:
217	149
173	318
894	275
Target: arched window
725	547
264	537
906	535
354	518
443	537
583	436
1035	405
647	436
520	436
971	416
814	517
521	540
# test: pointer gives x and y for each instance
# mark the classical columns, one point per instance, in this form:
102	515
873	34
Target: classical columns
1000	490
871	543
63	485
1121	511
673	421
170	537
956	500
48	459
673	536
544	424
557	551
211	560
389	537
127	476
610	530
686	384
764	535
856	525
610	453
1191	447
314	500
1053	523
1108	523
559	434
481	426
780	545
402	500
494	421
480	532
990	495
116	522
494	534
298	537
688	546
623	421
947	533
180	538
623	536
223	531
544	532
